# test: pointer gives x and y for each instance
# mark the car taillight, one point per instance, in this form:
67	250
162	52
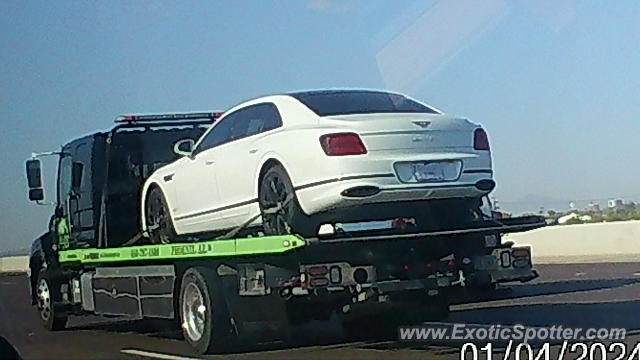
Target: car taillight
480	140
342	144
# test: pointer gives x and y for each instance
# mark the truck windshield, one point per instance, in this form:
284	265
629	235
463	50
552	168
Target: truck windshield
340	102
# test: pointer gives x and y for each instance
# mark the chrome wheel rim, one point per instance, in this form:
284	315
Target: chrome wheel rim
44	300
193	312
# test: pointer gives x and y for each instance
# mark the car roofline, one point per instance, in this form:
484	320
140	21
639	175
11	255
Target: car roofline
291	94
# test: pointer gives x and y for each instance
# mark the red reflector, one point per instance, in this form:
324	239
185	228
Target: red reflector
407	267
317	270
342	144
318	282
451	263
480	140
403	223
520	253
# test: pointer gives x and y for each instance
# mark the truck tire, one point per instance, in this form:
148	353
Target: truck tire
159	222
48	294
275	187
204	316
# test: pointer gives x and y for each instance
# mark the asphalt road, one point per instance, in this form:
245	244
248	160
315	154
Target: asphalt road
586	295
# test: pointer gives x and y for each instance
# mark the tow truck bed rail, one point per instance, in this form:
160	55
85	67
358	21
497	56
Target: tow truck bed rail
514	225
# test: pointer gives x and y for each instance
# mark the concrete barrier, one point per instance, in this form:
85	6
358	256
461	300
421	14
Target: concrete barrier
583	243
14	264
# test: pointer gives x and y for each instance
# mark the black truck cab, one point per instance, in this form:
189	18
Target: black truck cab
99	178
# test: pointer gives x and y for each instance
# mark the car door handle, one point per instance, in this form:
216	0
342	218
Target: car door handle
253	151
209	162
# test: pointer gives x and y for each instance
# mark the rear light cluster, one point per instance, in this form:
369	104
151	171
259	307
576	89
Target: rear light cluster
430	267
480	140
321	275
342	144
317	276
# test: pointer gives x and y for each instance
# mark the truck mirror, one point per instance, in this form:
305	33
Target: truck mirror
34	176
76	175
184	147
36	194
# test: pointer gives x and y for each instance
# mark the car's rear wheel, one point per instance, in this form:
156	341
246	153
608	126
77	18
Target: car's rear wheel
159	224
281	212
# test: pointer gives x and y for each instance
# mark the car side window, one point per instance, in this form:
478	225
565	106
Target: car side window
257	119
270	117
219	134
242	123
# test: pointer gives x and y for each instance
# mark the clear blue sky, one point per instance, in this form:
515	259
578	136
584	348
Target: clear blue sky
556	83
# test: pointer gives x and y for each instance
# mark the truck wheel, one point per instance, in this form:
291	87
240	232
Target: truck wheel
48	293
159	222
276	194
204	316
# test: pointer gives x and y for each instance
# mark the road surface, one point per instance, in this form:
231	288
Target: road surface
584	295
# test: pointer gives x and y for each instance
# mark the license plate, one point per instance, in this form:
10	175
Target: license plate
429	172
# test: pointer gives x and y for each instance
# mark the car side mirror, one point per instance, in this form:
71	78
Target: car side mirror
34	180
76	175
184	147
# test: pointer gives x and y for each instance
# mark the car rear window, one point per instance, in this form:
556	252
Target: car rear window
327	103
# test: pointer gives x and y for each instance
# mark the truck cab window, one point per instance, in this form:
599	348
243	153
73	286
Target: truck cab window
64	178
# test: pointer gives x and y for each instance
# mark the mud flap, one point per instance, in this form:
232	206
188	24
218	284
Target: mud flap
257	318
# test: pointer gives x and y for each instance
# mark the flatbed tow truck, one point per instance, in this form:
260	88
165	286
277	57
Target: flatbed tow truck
242	286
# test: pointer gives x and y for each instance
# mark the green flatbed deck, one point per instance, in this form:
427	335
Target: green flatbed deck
182	251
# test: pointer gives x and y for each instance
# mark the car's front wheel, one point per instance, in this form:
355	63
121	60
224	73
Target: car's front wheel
159	224
281	212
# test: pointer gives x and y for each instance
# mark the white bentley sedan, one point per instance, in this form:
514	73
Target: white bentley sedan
299	157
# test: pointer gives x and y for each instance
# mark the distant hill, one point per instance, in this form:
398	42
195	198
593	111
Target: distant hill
14	252
533	203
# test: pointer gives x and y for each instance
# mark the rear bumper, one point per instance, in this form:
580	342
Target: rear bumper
334	194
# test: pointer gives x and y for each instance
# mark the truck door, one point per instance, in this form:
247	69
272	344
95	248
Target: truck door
81	211
62	210
75	196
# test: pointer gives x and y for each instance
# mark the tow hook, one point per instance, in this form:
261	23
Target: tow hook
461	279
